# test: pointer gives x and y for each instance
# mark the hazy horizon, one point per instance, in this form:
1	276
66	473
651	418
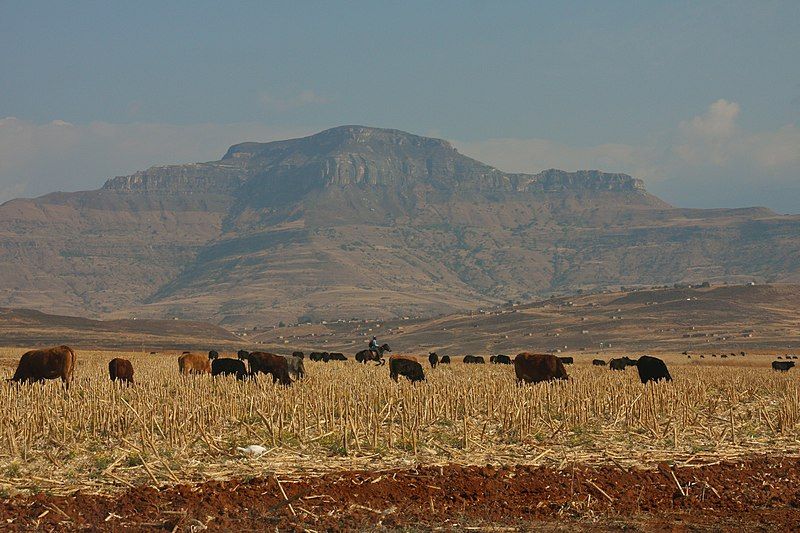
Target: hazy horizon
701	101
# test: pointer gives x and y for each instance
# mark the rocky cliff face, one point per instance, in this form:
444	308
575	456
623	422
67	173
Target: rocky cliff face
356	155
357	221
195	178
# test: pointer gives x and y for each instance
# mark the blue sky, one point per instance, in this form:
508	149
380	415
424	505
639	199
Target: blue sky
700	99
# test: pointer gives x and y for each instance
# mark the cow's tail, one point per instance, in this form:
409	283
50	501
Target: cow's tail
69	364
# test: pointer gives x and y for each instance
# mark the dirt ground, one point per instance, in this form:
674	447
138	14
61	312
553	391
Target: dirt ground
758	494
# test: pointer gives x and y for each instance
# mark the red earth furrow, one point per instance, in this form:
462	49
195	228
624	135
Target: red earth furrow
760	493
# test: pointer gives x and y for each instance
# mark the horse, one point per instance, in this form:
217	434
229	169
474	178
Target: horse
373	355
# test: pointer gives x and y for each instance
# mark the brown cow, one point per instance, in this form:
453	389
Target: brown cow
269	363
534	368
120	370
194	363
50	363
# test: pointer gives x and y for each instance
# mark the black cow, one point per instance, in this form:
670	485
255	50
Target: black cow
474	360
445	360
403	366
621	363
301	355
652	369
228	367
782	366
337	356
598	362
566	360
213	354
433	359
500	359
242	354
319	356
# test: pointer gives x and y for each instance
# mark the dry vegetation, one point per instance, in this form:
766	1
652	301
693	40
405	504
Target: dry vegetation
100	436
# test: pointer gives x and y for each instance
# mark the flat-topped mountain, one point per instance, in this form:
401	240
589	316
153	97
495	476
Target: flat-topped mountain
363	222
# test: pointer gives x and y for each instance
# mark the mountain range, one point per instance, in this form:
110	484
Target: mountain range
363	222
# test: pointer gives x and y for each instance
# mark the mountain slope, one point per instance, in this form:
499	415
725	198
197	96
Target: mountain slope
358	221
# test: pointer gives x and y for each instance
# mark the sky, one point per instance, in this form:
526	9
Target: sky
699	99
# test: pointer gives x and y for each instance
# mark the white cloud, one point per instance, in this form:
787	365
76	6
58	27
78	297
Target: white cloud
40	158
718	122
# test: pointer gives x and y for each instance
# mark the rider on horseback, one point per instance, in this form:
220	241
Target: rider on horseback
373	346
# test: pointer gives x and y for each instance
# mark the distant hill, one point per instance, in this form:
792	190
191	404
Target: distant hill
26	327
363	222
709	320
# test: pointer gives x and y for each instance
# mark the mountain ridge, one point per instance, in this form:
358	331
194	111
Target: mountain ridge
363	222
357	154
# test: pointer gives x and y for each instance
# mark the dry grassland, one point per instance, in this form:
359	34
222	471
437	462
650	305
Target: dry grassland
99	436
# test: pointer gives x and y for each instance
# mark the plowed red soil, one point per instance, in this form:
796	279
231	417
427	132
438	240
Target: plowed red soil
761	494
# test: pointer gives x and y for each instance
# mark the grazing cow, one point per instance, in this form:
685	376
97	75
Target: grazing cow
369	355
742	354
535	368
621	363
702	356
295	367
228	366
500	359
652	369
120	370
269	363
315	356
567	360
474	360
49	363
433	359
598	362
301	355
337	356
794	357
724	356
445	360
782	366
194	363
404	366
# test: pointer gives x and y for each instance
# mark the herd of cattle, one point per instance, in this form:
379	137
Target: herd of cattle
59	363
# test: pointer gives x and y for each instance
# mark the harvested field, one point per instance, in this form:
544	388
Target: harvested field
100	437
